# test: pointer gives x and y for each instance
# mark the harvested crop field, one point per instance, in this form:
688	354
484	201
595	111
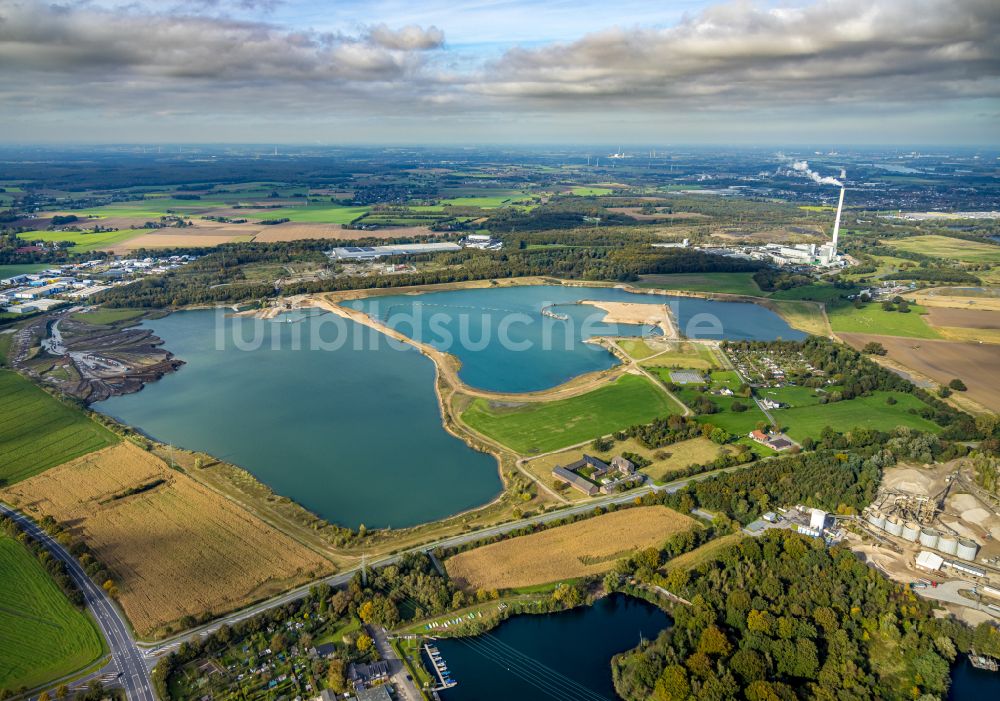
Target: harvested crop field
964	318
175	547
209	237
293	231
976	364
578	549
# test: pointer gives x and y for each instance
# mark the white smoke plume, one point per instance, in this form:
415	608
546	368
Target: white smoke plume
803	167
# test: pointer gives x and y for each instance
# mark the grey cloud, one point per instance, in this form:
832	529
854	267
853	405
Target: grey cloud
741	54
409	38
88	44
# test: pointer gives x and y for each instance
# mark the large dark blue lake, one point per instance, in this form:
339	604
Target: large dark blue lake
347	428
545	657
506	344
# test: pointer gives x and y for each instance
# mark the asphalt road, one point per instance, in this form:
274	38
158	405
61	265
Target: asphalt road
134	661
153	650
126	659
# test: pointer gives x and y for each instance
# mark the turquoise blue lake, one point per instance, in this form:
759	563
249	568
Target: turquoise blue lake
355	436
505	344
345	421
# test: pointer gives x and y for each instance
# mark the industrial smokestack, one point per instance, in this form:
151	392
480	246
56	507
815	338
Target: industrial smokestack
836	222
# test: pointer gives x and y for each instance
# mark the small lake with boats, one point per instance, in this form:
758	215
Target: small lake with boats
565	655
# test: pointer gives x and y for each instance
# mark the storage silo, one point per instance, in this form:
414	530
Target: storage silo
911	531
967	549
877	519
929	537
948	544
894	526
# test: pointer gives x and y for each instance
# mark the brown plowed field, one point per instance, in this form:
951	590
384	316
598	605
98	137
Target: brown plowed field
964	318
175	547
976	364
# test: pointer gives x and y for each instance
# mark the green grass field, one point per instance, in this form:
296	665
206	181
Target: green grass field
730	283
685	355
636	348
541	427
7	271
947	247
868	412
792	396
44	637
38	431
84	242
591	191
107	316
311	214
820	292
872	318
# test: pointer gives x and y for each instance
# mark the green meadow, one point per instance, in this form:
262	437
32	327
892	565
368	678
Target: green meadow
38	431
947	247
862	412
82	241
44	637
591	191
730	283
7	271
107	316
871	318
540	427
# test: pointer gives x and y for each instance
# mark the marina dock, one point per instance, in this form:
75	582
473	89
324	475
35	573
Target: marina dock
440	668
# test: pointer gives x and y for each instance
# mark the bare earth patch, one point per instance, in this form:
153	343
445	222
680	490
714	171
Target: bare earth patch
976	364
964	318
175	547
292	231
636	313
579	549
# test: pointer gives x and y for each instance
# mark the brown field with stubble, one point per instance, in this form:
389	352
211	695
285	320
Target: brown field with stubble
964	318
579	549
291	231
176	548
976	364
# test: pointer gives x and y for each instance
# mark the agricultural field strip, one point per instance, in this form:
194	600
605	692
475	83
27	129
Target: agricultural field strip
575	550
44	636
126	657
37	431
346	575
187	531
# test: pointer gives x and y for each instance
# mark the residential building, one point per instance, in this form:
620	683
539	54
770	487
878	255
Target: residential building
579	482
623	465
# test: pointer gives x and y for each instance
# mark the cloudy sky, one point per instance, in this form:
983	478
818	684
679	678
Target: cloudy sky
491	71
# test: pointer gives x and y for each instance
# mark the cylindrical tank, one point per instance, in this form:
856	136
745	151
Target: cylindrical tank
876	519
929	537
948	544
967	549
911	531
894	526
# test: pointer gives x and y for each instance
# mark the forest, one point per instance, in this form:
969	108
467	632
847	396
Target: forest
761	627
217	276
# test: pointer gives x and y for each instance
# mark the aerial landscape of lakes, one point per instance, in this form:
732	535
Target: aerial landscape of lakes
346	423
